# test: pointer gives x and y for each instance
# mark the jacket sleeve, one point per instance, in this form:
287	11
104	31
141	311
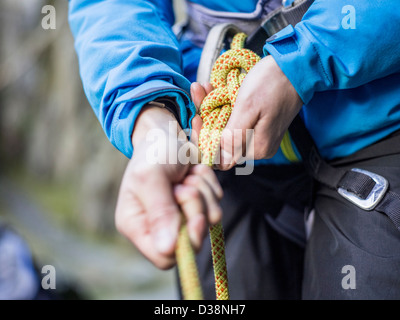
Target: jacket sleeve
339	44
128	56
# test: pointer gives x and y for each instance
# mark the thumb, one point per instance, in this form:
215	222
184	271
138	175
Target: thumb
198	93
197	123
156	195
237	137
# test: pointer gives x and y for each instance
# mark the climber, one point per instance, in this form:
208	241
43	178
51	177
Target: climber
342	81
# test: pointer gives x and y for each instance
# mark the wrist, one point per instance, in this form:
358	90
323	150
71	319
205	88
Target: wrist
151	117
275	71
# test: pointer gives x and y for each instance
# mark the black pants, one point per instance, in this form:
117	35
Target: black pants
264	260
350	254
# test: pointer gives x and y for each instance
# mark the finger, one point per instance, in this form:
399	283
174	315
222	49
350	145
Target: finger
208	87
209	175
198	93
193	207
155	192
131	221
261	147
213	209
197	123
238	134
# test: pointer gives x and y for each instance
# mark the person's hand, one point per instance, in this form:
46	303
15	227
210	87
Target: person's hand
157	187
267	103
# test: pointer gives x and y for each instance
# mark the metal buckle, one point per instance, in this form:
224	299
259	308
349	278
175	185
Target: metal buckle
376	194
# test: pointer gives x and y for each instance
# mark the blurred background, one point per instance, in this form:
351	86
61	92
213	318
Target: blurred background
59	175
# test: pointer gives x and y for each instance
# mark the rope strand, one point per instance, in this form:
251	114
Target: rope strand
227	75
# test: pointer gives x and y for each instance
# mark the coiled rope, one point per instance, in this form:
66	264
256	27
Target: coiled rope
226	77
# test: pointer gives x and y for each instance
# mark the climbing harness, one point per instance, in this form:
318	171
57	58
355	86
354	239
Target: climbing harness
291	12
365	189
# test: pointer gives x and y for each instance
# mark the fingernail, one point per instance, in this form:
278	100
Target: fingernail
163	241
215	215
204	84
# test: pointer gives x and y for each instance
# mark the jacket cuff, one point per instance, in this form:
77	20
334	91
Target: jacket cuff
123	121
294	51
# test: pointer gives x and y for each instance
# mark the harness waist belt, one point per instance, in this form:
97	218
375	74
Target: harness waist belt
365	189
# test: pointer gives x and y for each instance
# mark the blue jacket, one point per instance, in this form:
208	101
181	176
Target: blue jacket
348	75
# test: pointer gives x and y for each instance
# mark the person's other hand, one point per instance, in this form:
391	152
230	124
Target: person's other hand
154	193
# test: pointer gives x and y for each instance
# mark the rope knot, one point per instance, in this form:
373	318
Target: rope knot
227	75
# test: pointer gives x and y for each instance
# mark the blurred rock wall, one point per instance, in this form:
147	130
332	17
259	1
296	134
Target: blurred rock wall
46	123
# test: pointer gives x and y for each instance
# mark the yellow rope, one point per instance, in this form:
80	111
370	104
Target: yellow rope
189	278
226	77
287	148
